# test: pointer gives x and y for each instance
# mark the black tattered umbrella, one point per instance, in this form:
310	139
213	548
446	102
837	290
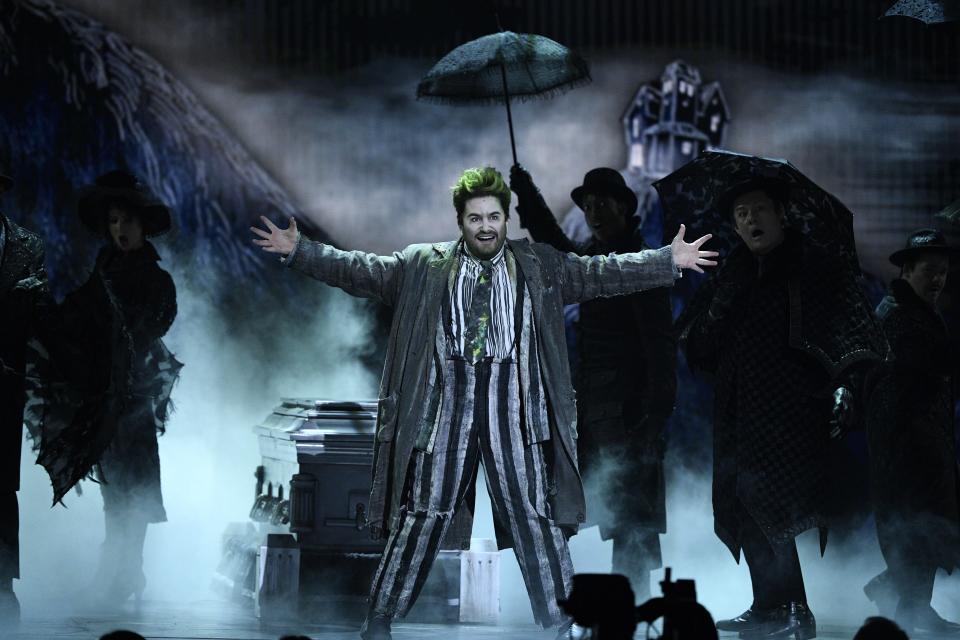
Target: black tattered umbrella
501	67
950	213
927	11
693	195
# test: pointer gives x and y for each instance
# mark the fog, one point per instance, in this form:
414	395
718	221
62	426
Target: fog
373	167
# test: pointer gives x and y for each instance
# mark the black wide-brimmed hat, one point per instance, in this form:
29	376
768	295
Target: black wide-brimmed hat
607	182
5	182
923	241
126	189
777	189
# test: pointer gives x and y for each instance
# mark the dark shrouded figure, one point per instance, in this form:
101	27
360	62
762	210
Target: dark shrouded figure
25	308
788	334
477	373
626	383
910	430
124	308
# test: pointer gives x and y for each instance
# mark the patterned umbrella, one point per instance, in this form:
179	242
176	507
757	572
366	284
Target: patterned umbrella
691	195
501	67
927	11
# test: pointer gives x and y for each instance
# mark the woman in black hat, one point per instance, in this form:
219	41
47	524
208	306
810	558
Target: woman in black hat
910	431
125	307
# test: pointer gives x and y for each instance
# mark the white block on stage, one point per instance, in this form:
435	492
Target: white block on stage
480	582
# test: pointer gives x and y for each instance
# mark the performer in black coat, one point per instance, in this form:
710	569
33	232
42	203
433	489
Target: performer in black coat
25	306
911	436
626	380
124	309
787	332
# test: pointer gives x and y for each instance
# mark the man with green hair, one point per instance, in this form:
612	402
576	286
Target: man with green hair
476	373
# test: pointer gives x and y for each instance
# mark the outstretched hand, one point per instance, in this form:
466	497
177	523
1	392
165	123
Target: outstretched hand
688	255
275	239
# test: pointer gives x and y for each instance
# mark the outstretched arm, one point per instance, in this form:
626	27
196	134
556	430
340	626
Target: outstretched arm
585	278
366	275
535	215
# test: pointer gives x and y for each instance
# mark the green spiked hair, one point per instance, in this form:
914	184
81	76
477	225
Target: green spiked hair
477	183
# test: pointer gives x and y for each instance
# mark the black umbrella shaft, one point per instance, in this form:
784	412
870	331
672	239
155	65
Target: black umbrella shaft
506	101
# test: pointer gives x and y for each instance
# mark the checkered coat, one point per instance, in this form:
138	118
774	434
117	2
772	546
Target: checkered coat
789	330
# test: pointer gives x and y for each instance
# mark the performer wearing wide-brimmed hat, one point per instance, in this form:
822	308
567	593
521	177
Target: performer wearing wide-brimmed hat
123	310
911	435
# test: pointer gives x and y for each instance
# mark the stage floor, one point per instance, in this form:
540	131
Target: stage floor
216	620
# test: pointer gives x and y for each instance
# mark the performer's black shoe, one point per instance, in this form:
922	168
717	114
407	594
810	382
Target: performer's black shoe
926	621
376	627
794	620
882	593
749	620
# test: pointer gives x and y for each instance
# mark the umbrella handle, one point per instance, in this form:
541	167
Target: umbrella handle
506	101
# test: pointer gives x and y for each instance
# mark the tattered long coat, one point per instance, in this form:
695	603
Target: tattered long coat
798	327
413	282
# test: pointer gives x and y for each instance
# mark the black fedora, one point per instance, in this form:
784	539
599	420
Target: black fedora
5	182
126	189
608	182
777	189
920	242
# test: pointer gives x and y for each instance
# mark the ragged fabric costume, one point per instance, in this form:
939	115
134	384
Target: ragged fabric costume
626	389
796	326
442	412
108	427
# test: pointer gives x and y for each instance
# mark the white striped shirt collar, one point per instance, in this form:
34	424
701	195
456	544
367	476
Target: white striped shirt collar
473	261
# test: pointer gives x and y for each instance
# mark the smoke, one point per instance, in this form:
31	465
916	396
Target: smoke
373	166
236	370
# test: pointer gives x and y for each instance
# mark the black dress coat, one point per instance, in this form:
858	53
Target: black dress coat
779	335
626	387
911	432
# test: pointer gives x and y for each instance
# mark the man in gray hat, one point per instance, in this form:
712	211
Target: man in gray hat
911	436
24	305
625	376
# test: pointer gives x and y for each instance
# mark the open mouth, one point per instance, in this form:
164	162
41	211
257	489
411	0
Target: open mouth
756	233
122	240
486	238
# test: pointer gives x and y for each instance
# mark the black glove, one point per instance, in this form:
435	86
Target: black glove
520	181
842	414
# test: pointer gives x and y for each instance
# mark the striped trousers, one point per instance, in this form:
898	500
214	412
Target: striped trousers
479	424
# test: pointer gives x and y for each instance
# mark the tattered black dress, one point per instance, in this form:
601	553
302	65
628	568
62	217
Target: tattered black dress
109	426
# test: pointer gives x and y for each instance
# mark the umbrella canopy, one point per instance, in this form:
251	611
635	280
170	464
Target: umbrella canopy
950	213
500	67
694	195
473	73
927	11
